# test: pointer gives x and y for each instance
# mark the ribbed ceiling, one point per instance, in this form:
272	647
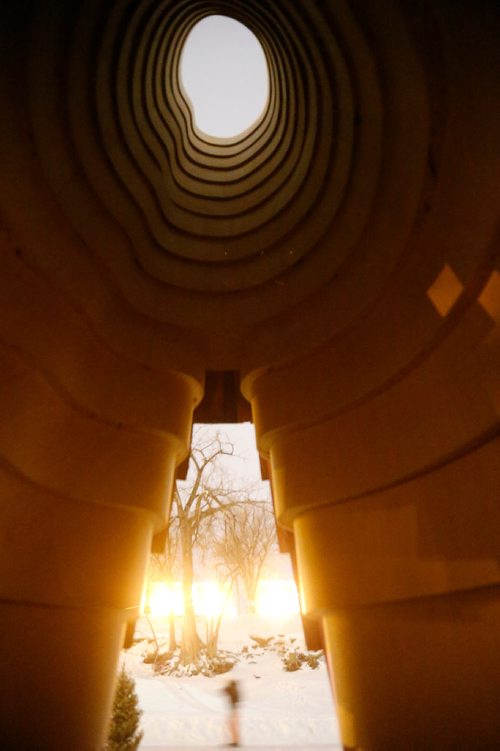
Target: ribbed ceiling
273	215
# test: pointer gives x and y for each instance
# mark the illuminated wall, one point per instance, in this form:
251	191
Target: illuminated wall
342	256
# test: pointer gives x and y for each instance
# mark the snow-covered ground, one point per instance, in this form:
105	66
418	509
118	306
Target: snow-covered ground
278	708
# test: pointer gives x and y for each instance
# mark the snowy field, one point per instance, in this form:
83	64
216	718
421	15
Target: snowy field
278	708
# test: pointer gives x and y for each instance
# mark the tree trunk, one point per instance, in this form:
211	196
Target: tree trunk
190	645
172	642
213	636
250	583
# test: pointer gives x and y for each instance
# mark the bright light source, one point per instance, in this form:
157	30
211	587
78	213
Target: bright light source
224	74
208	599
162	599
277	598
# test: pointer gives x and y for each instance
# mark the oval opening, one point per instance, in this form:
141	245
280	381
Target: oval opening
223	71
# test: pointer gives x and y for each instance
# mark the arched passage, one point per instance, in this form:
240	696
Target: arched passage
341	257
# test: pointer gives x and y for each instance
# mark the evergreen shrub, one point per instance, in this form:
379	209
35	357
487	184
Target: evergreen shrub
124	732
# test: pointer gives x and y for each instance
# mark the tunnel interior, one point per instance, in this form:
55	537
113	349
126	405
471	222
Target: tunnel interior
332	271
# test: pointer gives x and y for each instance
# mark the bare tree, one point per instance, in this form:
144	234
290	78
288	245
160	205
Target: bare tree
205	495
244	542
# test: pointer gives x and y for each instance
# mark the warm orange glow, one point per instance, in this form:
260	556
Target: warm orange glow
209	599
163	599
277	598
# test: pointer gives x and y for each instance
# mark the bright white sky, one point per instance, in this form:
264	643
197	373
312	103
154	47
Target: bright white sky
224	72
244	465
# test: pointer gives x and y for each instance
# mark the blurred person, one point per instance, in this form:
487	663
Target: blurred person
233	695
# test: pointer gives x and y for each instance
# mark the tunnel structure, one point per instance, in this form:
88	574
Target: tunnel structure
339	260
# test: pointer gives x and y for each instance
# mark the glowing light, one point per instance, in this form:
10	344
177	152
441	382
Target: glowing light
277	598
163	599
209	599
225	76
